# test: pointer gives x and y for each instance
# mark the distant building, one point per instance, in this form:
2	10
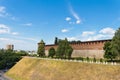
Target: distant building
10	47
31	52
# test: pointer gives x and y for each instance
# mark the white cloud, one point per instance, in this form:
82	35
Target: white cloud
14	18
105	33
75	15
14	33
95	37
9	40
31	39
4	29
98	36
90	37
71	22
71	38
67	18
78	22
108	31
26	38
87	33
28	24
64	30
2	9
4	39
3	12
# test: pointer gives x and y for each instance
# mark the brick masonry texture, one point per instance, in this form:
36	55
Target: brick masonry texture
84	49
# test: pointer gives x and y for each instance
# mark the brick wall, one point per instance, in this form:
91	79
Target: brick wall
96	45
85	49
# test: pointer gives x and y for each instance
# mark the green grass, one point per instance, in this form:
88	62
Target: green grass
38	69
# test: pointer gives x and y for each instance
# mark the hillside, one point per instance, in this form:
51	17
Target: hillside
38	69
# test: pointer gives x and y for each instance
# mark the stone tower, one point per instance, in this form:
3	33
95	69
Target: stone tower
10	47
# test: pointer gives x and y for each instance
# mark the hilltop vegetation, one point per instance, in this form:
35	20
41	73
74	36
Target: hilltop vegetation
112	49
9	57
64	49
38	69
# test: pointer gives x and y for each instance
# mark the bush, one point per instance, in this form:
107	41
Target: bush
101	60
79	58
87	58
8	59
22	53
51	52
94	60
2	64
64	50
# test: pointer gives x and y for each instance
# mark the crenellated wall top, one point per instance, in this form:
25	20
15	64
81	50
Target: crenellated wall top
85	45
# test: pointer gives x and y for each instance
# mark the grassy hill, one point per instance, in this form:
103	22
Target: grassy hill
38	69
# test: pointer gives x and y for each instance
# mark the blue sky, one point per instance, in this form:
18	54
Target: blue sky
25	22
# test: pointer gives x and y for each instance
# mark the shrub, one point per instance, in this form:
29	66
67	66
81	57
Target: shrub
51	52
94	60
87	58
79	58
8	59
101	60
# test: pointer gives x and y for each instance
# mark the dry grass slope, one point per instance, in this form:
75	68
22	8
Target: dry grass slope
38	69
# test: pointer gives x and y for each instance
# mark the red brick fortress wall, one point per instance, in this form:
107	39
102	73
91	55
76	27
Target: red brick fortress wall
85	49
89	45
47	47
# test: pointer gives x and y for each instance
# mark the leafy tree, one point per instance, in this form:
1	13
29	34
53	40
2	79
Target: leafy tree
108	53
87	58
56	41
101	60
60	49
8	58
41	49
94	59
74	42
51	52
64	49
68	49
115	43
22	53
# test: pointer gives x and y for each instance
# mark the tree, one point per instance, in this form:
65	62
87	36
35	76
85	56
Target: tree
74	42
51	52
69	51
8	58
64	49
108	53
60	49
22	53
41	49
115	43
56	41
